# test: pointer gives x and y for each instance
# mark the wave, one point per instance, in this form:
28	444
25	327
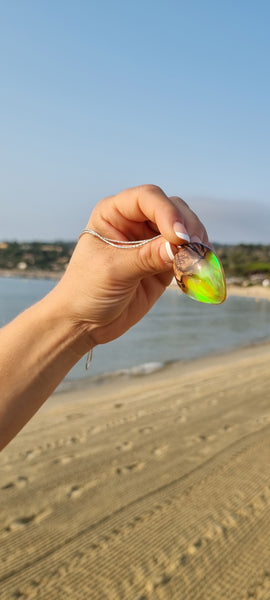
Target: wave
148	368
137	370
144	369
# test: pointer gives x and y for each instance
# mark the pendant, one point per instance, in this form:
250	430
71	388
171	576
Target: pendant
199	273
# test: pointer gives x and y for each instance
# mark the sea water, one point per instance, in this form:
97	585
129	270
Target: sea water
176	328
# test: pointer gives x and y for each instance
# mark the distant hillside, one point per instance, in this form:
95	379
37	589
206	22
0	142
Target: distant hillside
244	261
41	256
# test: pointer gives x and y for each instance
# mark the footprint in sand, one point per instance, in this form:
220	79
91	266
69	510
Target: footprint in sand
181	419
146	430
20	522
19	483
161	451
193	548
26	520
207	438
123	446
202	437
64	460
30	454
75	491
8	486
133	467
159	581
227	428
74	416
96	429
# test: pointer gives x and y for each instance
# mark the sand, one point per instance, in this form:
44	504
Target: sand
147	488
253	291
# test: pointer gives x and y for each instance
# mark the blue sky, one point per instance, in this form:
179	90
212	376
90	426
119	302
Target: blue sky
97	96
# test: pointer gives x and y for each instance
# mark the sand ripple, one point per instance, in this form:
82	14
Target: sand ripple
165	497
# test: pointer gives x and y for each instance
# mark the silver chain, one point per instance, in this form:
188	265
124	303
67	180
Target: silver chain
119	243
115	244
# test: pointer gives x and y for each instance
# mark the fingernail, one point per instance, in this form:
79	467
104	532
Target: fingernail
181	231
196	240
169	250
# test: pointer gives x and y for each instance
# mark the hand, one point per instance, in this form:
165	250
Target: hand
106	290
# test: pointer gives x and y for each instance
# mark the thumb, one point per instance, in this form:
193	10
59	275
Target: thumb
151	259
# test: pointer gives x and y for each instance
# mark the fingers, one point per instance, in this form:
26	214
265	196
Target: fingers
138	213
132	211
190	220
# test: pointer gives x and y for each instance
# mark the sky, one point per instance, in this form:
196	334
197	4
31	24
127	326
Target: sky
97	96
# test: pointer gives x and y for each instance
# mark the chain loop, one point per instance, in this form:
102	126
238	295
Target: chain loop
119	243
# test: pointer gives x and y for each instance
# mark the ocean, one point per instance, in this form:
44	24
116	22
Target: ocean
176	329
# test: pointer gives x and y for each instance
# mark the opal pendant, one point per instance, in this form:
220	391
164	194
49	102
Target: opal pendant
199	273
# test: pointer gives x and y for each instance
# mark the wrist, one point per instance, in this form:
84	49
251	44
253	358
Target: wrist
77	337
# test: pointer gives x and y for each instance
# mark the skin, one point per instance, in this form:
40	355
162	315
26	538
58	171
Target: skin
103	293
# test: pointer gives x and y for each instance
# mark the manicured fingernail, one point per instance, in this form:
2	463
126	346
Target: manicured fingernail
181	231
169	250
196	239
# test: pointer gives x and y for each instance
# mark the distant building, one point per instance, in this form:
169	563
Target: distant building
51	247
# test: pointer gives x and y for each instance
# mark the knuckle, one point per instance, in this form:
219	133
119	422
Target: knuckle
177	201
146	259
151	188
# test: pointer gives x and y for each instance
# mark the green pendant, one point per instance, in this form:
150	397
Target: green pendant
199	273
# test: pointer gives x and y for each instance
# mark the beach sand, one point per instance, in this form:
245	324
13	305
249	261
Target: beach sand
154	487
253	291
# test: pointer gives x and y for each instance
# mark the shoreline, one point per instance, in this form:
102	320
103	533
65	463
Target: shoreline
245	291
128	376
73	393
254	291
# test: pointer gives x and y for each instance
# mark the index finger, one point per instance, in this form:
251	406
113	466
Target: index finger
191	221
141	204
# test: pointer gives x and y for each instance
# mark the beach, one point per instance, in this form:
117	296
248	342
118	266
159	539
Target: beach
153	487
252	291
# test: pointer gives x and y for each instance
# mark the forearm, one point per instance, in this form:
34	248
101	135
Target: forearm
103	293
37	350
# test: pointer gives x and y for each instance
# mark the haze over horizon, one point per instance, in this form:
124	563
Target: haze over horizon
97	97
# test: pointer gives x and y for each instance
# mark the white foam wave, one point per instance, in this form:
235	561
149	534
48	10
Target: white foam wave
144	369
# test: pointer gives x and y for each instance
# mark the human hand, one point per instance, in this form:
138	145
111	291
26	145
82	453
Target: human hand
106	290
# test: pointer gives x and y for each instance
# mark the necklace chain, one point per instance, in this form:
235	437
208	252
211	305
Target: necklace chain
119	243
